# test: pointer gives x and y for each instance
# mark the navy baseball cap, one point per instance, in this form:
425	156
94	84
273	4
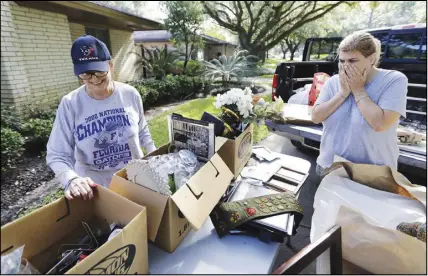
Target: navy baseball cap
89	54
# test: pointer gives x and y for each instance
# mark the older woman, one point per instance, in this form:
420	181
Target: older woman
99	127
360	107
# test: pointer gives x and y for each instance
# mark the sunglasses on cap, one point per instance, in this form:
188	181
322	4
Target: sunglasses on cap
88	75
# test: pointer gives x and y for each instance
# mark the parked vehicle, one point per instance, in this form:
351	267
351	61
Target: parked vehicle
404	48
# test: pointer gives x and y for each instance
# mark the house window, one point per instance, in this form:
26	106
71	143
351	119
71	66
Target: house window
101	34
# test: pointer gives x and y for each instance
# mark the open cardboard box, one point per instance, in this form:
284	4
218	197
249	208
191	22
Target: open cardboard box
236	153
169	217
44	230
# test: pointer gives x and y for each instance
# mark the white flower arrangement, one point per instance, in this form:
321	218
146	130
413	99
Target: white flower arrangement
240	108
242	99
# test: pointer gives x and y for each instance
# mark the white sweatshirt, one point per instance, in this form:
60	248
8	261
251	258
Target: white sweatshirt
95	138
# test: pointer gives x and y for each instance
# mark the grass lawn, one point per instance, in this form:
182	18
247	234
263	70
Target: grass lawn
194	109
267	76
269	65
275	61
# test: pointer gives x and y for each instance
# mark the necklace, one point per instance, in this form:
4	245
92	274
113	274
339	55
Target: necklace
110	91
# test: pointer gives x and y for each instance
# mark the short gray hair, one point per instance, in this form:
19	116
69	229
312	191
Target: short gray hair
362	42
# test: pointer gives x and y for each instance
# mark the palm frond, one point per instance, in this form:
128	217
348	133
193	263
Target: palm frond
226	68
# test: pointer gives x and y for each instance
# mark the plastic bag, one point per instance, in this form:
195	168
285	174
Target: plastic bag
10	262
381	212
27	268
317	84
301	96
13	263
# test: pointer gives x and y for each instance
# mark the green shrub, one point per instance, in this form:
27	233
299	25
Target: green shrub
45	114
220	87
170	89
149	95
11	147
159	62
10	118
36	132
193	68
235	67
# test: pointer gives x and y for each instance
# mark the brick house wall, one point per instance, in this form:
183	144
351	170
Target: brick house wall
76	30
36	66
122	45
14	84
38	69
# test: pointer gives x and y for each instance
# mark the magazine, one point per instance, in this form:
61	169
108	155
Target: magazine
194	135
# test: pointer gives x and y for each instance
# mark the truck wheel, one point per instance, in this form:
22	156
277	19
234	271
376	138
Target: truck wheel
297	144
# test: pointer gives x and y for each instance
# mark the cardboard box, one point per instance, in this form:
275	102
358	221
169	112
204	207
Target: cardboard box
297	114
44	230
236	153
169	217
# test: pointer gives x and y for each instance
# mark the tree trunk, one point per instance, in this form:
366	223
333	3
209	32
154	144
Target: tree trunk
253	49
369	24
186	58
294	50
256	52
319	49
262	55
284	53
292	54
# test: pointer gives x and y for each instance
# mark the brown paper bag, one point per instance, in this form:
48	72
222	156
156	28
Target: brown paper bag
377	248
382	178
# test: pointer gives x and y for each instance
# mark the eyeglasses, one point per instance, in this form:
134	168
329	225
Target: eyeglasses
88	75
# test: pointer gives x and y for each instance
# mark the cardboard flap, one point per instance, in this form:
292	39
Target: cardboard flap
154	202
115	208
219	142
202	192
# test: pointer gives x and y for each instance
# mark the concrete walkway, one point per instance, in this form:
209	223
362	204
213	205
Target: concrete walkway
154	111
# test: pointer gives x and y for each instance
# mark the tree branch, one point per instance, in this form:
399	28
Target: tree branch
214	15
290	10
282	26
226	7
302	22
250	14
259	14
239	12
303	6
271	21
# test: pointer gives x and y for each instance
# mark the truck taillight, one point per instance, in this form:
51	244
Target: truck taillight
275	82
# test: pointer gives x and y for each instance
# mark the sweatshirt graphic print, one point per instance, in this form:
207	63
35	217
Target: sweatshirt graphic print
96	138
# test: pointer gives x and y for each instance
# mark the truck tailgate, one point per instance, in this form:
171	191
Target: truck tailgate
412	155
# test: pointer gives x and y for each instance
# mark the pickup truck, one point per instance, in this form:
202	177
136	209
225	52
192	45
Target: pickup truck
403	49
